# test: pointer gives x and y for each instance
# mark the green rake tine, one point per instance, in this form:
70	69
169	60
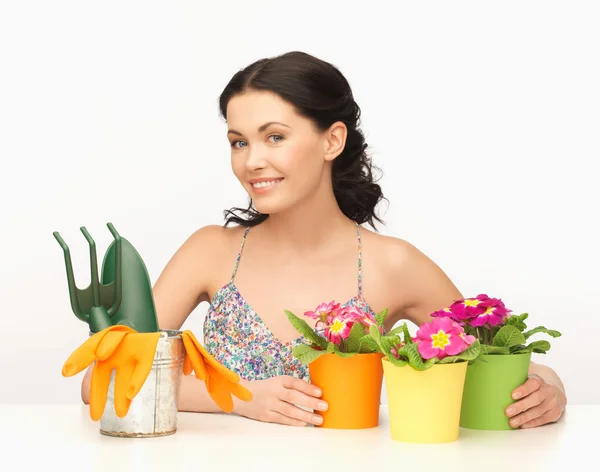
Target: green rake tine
118	276
93	266
71	280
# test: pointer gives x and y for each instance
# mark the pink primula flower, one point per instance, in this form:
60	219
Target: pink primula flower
494	312
351	313
468	338
366	319
323	311
445	313
476	311
339	328
335	322
466	309
442	337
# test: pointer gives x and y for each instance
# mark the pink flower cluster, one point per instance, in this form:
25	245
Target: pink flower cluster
337	321
439	338
479	311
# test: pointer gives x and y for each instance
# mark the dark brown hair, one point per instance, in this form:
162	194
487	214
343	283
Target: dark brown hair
319	92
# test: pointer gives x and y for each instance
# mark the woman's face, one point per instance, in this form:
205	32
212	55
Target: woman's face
278	156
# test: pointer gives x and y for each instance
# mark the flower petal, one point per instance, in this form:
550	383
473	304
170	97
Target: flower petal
427	351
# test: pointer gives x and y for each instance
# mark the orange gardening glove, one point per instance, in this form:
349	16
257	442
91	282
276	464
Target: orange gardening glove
221	382
117	347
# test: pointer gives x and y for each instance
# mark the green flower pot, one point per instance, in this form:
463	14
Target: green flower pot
489	383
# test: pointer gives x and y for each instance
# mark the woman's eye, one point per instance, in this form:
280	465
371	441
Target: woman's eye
233	144
277	138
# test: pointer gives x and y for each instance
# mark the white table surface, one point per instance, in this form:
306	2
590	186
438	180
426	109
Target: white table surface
44	436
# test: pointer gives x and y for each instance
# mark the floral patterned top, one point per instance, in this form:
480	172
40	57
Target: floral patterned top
238	338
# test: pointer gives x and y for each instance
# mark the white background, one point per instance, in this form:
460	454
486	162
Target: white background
483	116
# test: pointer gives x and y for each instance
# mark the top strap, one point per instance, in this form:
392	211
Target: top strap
359	261
239	256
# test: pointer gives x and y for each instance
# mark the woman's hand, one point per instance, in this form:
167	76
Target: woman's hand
539	402
281	400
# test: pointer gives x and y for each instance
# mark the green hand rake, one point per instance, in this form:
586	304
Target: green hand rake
97	303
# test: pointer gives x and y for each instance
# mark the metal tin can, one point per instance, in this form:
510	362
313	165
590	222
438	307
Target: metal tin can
153	411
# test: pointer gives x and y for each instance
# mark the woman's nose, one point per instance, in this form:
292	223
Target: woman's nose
256	158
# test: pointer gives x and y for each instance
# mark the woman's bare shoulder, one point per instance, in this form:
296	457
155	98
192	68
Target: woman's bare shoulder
391	251
213	238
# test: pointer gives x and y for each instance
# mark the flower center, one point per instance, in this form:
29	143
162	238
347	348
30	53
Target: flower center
440	340
472	302
337	326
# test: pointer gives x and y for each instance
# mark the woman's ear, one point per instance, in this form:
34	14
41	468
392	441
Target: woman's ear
335	140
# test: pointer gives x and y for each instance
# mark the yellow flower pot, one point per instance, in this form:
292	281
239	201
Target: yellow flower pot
424	406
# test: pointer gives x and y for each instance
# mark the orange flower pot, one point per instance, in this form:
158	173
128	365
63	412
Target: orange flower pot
351	387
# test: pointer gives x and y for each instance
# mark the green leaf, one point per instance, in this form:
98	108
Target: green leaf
469	354
411	352
368	344
353	340
487	349
518	321
471	331
374	333
393	338
541	329
352	345
306	354
407	336
402	329
540	347
305	330
385	343
520	349
397	330
451	360
397	362
508	336
345	354
380	317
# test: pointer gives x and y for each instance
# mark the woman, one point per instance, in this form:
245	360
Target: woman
297	150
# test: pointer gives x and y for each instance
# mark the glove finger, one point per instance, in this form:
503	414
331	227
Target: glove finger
144	346
210	360
187	365
123	374
235	388
220	393
220	368
240	391
84	355
109	344
99	390
194	356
